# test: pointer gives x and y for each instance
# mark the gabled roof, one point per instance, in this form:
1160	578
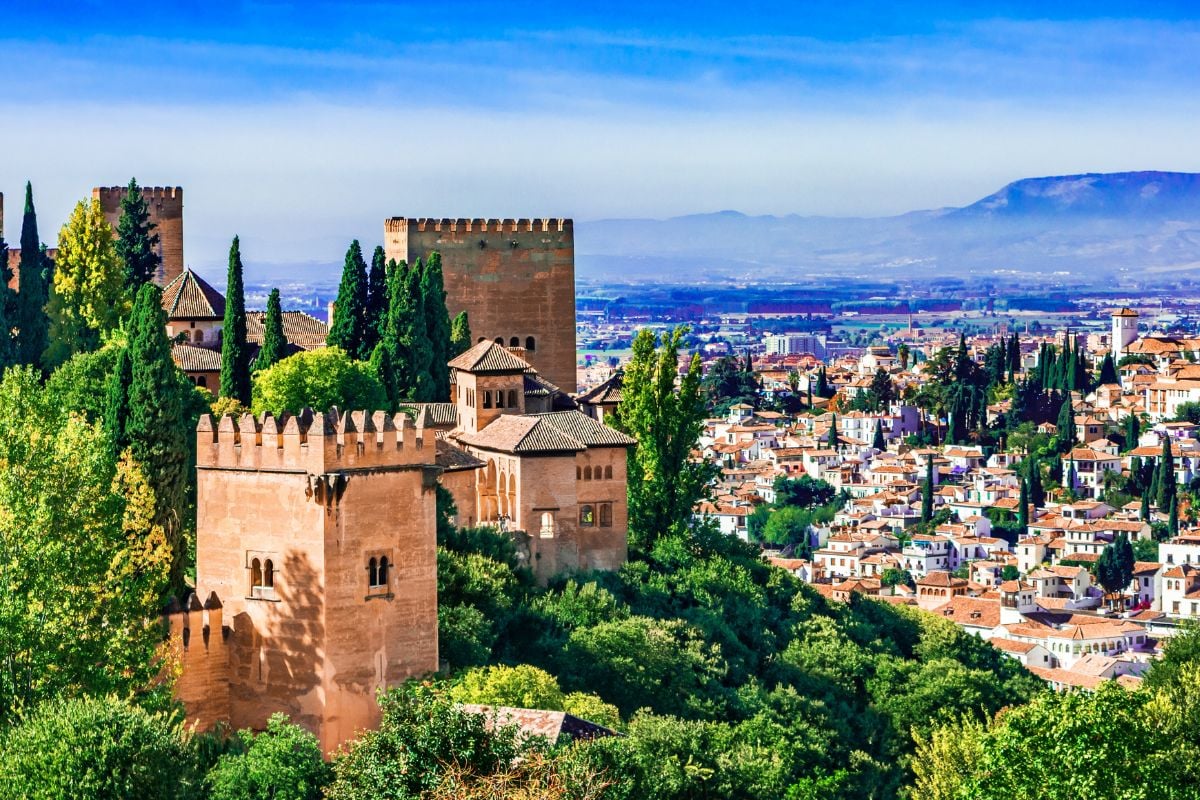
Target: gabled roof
487	356
190	358
512	433
436	415
607	392
300	329
585	430
189	296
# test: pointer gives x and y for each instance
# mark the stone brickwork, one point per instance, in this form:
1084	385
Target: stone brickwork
166	211
515	278
295	518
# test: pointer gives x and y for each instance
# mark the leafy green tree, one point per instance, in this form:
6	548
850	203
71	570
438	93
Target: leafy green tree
789	525
421	734
30	318
460	335
88	297
284	762
1186	412
522	686
437	325
385	372
235	357
1114	569
86	748
377	299
1010	573
895	577
137	243
116	406
84	565
349	328
664	483
274	345
160	429
945	758
729	381
804	491
317	379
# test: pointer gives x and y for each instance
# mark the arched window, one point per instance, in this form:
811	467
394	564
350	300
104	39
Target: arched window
268	575
500	340
530	344
587	516
372	572
383	571
608	472
547	530
578	472
587	473
202	381
199	337
256	578
512	398
480	339
499	398
487	398
606	515
514	341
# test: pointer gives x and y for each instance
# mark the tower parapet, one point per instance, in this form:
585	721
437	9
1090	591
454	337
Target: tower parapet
165	204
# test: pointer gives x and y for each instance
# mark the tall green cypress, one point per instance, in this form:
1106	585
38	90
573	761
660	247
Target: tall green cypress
116	403
1166	475
833	438
235	360
377	299
348	328
137	243
395	324
385	371
1023	508
927	490
1037	494
1108	371
1144	513
460	336
877	442
437	325
157	430
421	387
33	292
1066	425
274	344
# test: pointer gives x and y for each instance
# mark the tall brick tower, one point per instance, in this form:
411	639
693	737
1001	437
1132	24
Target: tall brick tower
166	211
316	540
515	278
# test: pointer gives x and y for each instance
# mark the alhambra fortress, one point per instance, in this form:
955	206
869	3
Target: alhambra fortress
316	573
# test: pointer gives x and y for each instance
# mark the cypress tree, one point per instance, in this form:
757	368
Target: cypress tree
348	328
437	325
116	403
137	243
157	432
421	387
1066	425
395	323
460	336
377	299
1108	371
385	371
1037	494
235	361
927	490
30	319
274	345
1173	517
1166	475
1023	508
833	432
1144	514
822	383
1071	476
878	442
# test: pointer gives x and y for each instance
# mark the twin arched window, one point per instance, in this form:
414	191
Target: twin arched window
262	578
377	572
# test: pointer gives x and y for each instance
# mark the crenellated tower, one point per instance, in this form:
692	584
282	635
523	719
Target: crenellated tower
316	538
165	204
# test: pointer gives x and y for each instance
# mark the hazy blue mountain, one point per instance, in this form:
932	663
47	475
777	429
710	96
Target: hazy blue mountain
1095	225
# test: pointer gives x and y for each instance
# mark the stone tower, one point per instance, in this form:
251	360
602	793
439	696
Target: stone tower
515	278
316	539
1124	331
166	211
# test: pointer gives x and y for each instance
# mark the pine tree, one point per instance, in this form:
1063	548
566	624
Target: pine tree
460	336
156	428
437	325
377	299
878	442
137	243
116	403
274	344
1166	476
235	361
348	328
32	292
927	490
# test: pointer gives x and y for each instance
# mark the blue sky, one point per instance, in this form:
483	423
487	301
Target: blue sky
302	125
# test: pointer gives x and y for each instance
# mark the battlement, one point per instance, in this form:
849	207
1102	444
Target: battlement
423	224
311	442
148	192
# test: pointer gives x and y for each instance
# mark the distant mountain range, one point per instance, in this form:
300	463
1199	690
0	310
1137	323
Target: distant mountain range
1131	225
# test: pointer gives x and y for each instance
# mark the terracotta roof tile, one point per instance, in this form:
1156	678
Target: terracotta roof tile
190	296
487	356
